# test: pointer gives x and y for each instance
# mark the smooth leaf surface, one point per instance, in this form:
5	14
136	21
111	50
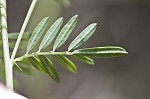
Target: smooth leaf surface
49	67
51	33
101	52
36	63
66	63
65	32
84	59
83	36
37	33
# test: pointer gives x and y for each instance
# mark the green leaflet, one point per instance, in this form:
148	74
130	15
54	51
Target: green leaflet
83	36
65	32
84	59
66	63
51	33
101	52
36	63
37	33
14	36
49	67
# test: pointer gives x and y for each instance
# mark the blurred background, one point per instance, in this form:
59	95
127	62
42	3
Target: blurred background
125	23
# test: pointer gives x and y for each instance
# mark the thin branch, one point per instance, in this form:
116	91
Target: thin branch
23	28
40	53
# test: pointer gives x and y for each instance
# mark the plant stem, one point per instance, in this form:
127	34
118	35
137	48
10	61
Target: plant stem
40	53
23	28
8	65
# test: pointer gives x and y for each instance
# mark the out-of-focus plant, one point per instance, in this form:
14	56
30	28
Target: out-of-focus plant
38	58
64	2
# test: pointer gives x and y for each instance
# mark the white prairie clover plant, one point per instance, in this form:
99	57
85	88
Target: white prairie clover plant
56	33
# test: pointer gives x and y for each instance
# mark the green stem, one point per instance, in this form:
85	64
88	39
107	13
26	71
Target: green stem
8	65
40	53
23	28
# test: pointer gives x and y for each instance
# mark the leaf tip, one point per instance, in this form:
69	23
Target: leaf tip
92	63
74	71
61	18
76	16
94	24
46	18
125	52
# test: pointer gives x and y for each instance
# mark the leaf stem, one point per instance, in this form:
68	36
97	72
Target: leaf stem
40	53
23	28
8	65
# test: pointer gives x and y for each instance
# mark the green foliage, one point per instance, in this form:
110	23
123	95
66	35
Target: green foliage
49	67
82	37
37	33
23	64
36	63
84	59
66	63
65	32
101	52
39	59
51	33
43	64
